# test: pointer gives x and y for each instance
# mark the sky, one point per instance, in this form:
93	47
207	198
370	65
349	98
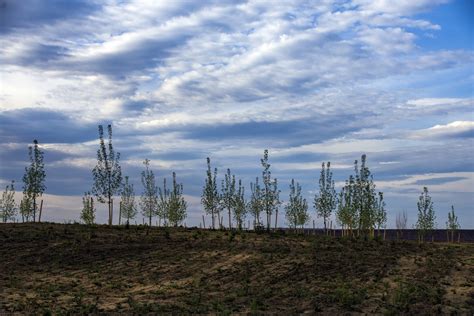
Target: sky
180	81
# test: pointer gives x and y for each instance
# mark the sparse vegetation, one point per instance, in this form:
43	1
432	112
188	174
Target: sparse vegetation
82	270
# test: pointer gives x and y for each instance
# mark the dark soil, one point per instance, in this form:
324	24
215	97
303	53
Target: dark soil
76	269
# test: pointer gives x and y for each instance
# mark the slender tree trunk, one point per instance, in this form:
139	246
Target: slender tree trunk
150	219
212	219
40	211
230	221
110	221
276	219
34	208
120	213
203	222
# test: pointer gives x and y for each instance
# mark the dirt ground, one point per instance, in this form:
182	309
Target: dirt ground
61	269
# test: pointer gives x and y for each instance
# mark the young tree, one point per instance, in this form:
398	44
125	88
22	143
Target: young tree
210	196
452	225
33	179
162	210
177	205
26	208
401	223
347	212
380	214
296	210
107	173
365	199
149	198
426	215
270	193
7	203
240	205
129	207
228	194
325	201
88	209
255	203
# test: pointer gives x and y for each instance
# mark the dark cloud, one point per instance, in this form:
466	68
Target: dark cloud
47	126
440	180
279	133
36	13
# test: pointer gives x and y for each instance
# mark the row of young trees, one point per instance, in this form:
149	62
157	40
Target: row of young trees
357	207
167	204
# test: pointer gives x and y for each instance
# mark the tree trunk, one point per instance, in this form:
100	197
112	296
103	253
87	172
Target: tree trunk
212	219
150	220
120	212
276	219
34	208
111	212
203	222
230	221
40	211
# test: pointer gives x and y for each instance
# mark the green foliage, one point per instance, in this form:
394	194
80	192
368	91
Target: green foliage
227	199
127	201
452	224
163	202
88	210
426	214
270	194
8	206
365	197
325	201
210	197
296	211
240	205
380	212
255	203
26	207
107	174
149	198
33	179
347	213
176	203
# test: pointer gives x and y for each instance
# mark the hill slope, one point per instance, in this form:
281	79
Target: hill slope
80	269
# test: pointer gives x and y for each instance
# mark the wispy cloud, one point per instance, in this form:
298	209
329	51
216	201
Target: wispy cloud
182	80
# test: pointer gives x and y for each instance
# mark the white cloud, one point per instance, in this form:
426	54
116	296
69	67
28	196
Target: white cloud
452	129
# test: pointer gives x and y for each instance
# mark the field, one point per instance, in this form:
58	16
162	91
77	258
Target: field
70	268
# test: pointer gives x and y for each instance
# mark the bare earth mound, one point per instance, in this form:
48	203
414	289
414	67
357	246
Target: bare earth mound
78	269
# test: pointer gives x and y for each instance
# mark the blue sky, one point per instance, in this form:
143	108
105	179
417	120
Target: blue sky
311	81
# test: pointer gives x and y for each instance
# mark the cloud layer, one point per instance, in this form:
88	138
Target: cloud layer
182	80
